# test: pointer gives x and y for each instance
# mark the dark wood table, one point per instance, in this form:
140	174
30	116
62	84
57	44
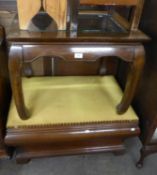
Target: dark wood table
26	47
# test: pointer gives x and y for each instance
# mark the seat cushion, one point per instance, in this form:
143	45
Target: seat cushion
70	100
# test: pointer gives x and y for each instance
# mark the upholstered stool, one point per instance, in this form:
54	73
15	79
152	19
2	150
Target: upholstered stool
62	116
59	115
70	115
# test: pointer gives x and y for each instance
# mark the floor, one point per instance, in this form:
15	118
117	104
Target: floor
94	164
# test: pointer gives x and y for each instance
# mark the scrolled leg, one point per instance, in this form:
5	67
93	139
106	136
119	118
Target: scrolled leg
15	64
132	79
139	164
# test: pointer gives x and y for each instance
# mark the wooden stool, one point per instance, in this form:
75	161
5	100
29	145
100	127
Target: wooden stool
131	53
58	135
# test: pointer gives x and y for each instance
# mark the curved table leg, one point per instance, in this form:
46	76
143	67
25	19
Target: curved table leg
15	64
142	157
132	79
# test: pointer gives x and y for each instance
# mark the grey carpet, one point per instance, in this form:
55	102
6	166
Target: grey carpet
92	164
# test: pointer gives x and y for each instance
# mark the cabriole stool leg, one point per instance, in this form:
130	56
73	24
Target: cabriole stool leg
15	64
132	79
142	157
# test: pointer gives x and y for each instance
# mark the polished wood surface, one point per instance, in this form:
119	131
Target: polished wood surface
26	10
68	133
16	35
133	78
70	139
133	19
16	61
64	147
130	53
136	16
56	9
65	141
63	42
26	48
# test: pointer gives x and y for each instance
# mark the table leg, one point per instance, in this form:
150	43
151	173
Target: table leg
142	157
132	79
15	64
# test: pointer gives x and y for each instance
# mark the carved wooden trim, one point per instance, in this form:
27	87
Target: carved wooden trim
48	134
123	51
62	126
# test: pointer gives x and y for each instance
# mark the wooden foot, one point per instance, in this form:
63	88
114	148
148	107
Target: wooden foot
119	109
139	164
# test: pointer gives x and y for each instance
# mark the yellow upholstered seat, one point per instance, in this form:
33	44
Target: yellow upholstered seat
70	100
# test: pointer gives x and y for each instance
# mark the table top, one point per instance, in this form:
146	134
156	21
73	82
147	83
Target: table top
88	32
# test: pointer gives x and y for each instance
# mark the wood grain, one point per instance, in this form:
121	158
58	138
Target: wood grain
26	10
56	9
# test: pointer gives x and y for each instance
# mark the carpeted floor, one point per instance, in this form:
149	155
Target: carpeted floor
93	164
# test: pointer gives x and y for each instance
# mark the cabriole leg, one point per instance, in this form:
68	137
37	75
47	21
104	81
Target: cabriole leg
15	64
142	157
132	79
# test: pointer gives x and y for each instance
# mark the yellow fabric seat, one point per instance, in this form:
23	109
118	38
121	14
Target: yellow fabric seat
70	100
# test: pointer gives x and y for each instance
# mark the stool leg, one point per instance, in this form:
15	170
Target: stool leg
132	80
142	157
15	64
